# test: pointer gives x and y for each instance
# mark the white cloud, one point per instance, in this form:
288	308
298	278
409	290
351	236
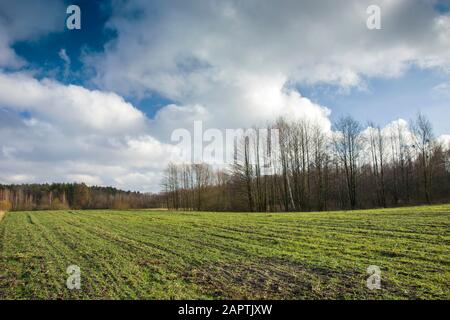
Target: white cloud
191	48
65	57
234	63
392	130
444	140
228	63
75	134
441	90
26	20
74	106
248	100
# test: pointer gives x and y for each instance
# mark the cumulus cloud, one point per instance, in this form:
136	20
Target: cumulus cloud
444	140
234	63
26	20
392	131
230	64
191	47
248	101
74	134
73	106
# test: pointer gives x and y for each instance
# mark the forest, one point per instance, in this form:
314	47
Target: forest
62	196
308	169
305	169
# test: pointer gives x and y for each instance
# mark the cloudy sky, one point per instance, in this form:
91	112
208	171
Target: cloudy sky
98	105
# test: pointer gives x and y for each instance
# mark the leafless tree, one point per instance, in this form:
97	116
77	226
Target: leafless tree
348	145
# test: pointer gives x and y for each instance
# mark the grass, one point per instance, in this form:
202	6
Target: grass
176	255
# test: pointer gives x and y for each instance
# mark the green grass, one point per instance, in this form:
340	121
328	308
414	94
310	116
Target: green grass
175	255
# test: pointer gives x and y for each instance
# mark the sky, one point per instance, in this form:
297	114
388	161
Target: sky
99	104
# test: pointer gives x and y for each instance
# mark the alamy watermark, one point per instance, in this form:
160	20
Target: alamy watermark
374	280
219	147
73	282
73	21
374	20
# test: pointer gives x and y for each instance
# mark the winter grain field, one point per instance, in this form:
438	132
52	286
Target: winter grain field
192	255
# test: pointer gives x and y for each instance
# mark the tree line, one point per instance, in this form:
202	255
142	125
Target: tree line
304	168
300	168
61	196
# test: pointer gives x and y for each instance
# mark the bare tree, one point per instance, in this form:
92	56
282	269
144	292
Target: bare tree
305	168
348	145
376	144
423	138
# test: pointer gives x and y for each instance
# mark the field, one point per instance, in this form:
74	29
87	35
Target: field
192	255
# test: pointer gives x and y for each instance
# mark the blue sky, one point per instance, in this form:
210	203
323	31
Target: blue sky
43	53
381	100
137	70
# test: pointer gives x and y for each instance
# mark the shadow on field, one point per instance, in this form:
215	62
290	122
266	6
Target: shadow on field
276	279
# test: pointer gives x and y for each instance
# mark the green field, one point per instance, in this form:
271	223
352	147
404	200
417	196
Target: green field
175	255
